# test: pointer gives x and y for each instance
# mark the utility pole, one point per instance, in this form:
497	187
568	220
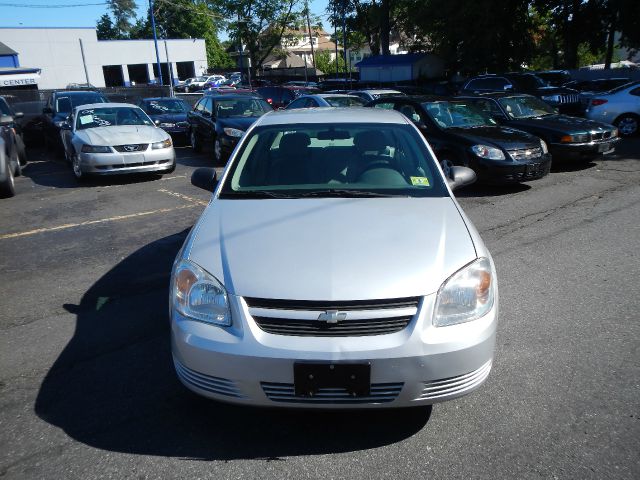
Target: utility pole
335	36
344	39
313	57
84	62
240	47
166	51
155	39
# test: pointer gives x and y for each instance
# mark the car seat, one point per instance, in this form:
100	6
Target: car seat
293	159
372	148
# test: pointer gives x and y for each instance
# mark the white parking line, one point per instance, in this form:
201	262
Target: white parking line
184	197
93	222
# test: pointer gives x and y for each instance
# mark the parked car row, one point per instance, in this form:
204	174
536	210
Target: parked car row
13	155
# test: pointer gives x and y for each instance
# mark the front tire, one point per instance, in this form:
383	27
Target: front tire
8	187
627	124
77	170
218	154
195	143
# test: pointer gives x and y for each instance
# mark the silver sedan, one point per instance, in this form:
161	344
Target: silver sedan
333	268
620	107
115	138
326	100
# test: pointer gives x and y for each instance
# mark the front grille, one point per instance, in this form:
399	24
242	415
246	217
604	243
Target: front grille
285	392
410	302
139	147
129	165
455	385
347	328
219	386
529	172
570	98
599	136
357	318
525	153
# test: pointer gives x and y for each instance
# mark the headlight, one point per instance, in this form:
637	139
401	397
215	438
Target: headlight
167	125
544	147
467	295
614	133
198	295
576	138
95	149
551	98
60	123
485	151
233	132
163	144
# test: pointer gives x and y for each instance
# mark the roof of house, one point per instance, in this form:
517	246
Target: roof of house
291	61
391	60
4	50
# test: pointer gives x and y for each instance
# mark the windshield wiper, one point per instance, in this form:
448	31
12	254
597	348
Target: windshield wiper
256	194
348	193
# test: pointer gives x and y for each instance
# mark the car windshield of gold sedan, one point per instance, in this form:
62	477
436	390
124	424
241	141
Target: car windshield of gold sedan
457	115
338	160
525	107
241	107
111	116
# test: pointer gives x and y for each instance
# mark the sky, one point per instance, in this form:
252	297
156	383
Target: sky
80	13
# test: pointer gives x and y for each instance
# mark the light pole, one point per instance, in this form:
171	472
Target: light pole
155	39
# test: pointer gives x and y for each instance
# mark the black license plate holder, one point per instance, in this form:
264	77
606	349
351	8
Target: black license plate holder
309	377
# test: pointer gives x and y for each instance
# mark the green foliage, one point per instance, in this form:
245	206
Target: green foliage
124	12
105	29
328	66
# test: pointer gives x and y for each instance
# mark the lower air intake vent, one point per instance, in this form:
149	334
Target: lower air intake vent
285	392
455	385
217	385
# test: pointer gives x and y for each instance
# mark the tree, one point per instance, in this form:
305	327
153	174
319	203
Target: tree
105	29
123	11
328	66
258	24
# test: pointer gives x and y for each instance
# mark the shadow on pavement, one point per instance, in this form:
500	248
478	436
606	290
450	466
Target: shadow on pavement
113	387
482	190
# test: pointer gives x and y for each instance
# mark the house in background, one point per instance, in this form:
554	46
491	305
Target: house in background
299	43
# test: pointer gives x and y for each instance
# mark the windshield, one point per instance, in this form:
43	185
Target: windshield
525	107
111	116
623	87
387	94
160	107
4	108
66	103
530	82
336	160
345	101
457	114
242	107
200	79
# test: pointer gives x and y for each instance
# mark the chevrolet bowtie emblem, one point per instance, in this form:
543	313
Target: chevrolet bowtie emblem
332	316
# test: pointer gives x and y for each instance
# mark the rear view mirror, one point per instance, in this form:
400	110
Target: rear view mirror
332	134
460	177
205	178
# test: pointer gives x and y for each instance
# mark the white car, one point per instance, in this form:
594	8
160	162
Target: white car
374	94
115	138
619	106
333	268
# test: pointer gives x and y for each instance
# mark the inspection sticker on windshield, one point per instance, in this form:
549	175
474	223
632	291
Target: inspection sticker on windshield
420	181
84	119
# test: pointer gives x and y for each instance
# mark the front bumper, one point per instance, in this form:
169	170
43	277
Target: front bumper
583	151
159	160
510	172
419	365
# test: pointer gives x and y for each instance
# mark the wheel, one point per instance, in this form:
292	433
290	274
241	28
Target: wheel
8	187
195	143
22	151
218	155
15	162
627	124
77	171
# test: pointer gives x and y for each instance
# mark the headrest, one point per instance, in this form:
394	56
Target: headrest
294	142
370	141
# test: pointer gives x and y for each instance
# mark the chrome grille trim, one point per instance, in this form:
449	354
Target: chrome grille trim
217	385
455	385
139	147
285	392
356	318
525	153
346	328
570	98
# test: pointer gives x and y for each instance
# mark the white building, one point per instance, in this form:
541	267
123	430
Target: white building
58	52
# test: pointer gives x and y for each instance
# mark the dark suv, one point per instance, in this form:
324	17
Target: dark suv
566	100
58	108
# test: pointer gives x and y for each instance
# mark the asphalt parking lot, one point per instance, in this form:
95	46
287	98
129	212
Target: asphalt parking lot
88	389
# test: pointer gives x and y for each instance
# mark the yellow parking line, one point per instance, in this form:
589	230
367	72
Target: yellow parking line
92	222
184	197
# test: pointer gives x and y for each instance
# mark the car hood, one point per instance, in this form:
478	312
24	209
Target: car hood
169	117
122	135
332	249
561	123
551	90
241	123
504	137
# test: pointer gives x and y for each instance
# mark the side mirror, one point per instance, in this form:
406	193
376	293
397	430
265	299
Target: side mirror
18	115
47	110
65	125
156	123
460	177
6	119
205	178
